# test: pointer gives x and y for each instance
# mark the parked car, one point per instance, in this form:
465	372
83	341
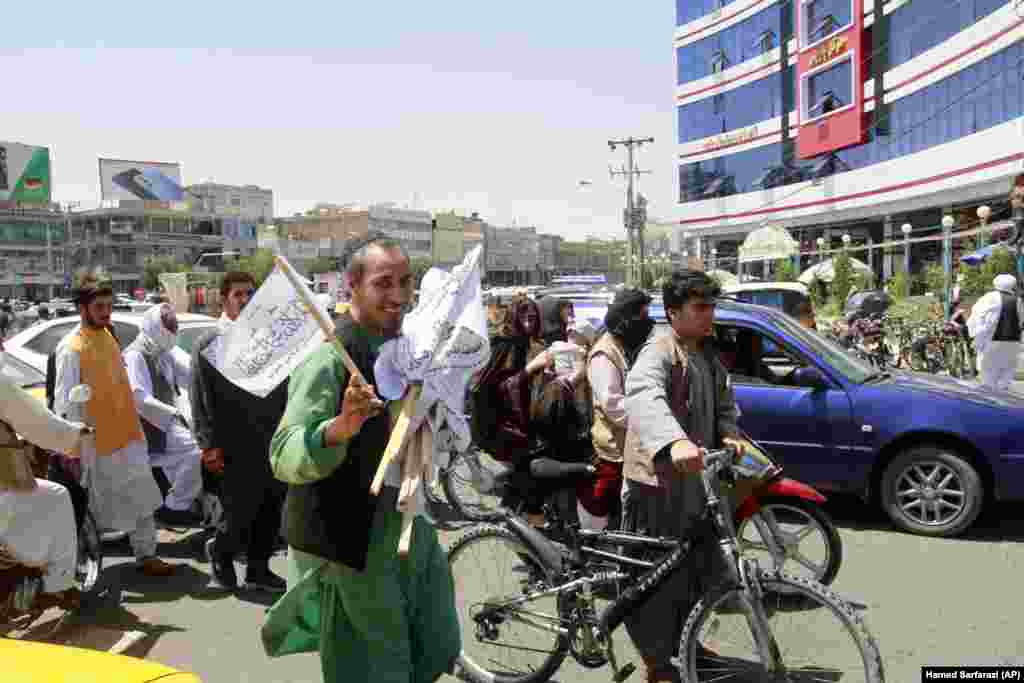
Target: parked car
930	450
24	375
785	296
34	344
30	662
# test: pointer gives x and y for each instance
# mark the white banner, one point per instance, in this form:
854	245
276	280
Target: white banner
272	336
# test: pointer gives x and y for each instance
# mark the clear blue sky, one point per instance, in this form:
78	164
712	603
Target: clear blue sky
488	106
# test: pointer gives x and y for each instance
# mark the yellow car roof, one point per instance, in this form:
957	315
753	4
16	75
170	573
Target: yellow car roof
28	662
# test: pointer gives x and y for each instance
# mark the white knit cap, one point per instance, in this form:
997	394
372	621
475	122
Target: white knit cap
1005	283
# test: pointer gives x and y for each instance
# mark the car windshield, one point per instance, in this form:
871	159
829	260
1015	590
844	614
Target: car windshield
853	368
20	373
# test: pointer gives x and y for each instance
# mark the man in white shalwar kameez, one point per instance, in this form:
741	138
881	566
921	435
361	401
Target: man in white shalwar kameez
995	325
153	376
37	523
115	465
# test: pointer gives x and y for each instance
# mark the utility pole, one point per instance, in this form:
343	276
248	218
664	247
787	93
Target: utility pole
630	171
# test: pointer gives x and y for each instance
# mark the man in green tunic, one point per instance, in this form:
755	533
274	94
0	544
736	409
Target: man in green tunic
373	616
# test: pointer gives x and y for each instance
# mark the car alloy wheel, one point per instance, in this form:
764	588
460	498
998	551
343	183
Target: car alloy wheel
933	491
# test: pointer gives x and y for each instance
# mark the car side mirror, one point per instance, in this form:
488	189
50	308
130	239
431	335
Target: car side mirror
811	378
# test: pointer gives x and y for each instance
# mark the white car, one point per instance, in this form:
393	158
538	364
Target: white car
33	345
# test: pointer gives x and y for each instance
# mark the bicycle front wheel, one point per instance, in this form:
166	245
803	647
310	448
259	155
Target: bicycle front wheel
819	637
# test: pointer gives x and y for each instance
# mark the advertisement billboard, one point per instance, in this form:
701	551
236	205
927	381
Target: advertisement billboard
151	181
830	76
24	173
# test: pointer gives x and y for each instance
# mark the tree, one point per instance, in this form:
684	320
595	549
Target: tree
900	286
322	264
259	264
785	271
842	279
419	266
155	266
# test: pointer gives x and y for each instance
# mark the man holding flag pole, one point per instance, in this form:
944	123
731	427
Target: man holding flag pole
368	585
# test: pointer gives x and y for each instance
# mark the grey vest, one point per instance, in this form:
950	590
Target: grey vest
165	392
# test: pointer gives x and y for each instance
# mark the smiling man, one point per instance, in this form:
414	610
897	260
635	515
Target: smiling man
374	616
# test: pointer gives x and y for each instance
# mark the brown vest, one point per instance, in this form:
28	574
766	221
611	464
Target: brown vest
608	439
112	405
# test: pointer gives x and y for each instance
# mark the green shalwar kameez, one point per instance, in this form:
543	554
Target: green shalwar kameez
395	622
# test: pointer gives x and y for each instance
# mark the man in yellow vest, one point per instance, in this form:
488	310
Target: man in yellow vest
628	324
115	467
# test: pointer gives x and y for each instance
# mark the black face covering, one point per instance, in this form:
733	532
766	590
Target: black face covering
635	332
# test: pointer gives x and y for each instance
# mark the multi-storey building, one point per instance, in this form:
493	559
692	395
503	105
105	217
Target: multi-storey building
255	204
32	245
122	239
333	226
513	256
830	117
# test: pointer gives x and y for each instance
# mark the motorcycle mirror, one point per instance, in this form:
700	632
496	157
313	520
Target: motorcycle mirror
80	393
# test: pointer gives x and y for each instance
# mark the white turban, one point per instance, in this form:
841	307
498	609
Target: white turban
1005	283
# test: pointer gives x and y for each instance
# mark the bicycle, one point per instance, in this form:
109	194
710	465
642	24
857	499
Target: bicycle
749	600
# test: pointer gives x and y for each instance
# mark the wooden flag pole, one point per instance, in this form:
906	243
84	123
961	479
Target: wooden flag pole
321	319
399	434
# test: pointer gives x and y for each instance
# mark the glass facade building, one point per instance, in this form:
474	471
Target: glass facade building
943	80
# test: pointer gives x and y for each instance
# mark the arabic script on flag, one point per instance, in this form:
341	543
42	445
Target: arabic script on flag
274	333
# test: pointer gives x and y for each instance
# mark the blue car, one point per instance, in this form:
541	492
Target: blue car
930	450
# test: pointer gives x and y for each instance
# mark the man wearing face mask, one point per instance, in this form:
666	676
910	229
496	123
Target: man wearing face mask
233	428
151	370
628	324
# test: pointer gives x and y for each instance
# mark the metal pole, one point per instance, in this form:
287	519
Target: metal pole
947	262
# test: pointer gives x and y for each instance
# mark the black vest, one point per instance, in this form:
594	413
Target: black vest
165	392
332	518
1008	328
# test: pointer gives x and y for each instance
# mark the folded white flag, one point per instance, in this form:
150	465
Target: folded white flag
444	341
274	333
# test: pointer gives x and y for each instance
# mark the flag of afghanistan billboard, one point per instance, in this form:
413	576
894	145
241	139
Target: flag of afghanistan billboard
135	180
24	173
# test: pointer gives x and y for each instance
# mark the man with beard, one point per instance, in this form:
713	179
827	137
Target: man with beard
373	615
233	429
152	371
116	470
628	324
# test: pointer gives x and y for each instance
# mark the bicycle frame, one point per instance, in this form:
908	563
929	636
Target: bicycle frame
740	571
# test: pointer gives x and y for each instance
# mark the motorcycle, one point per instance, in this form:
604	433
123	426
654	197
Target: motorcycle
20	584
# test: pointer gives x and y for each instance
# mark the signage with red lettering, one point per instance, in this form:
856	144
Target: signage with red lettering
836	120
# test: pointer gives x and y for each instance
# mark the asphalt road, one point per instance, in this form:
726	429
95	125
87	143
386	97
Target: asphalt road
928	602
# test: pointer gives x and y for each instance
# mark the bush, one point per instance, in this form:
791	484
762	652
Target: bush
785	270
843	279
899	288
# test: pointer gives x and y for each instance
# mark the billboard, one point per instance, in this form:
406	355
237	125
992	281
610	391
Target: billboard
830	76
24	173
151	181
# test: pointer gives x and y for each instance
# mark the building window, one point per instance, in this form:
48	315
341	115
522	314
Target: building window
920	25
737	43
822	18
828	90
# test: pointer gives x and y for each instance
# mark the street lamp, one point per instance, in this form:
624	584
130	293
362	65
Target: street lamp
714	258
907	229
947	260
846	240
821	249
984	212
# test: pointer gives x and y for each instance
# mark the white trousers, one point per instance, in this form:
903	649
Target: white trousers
997	366
38	528
183	467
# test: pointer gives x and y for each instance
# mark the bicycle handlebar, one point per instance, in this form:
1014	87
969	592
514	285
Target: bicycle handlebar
547	468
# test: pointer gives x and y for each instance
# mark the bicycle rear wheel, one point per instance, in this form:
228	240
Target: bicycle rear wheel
470	487
490	567
819	637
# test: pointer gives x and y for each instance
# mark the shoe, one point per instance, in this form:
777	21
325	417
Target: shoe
176	518
223	567
265	580
154	566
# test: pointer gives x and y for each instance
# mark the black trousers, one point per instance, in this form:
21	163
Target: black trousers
252	501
